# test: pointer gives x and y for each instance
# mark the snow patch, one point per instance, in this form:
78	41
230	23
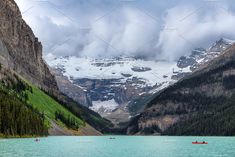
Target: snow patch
104	106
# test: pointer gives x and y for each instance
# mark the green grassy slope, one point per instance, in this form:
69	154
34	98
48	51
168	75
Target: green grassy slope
45	104
50	104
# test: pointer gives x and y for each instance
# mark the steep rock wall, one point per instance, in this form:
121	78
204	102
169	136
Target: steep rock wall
20	50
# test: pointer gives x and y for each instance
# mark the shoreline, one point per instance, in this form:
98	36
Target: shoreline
18	137
29	136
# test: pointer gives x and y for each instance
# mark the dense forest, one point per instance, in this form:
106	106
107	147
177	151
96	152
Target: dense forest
67	120
209	115
204	102
19	119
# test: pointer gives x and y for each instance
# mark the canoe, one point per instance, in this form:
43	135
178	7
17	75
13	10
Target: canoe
199	142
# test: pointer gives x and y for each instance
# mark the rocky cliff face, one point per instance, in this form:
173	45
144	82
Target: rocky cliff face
20	50
75	92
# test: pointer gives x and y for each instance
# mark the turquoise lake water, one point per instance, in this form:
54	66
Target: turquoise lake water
121	146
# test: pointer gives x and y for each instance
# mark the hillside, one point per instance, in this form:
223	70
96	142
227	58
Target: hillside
23	67
200	104
26	106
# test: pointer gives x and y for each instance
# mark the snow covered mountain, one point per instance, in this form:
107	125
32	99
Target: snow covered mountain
200	56
115	87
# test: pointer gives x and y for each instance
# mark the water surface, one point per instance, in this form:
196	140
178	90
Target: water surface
121	146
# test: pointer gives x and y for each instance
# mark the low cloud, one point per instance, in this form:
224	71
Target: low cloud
164	30
195	29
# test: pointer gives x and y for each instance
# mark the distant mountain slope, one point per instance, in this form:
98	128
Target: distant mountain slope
118	87
200	104
112	83
71	90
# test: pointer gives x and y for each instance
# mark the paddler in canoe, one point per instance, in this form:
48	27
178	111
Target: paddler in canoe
200	142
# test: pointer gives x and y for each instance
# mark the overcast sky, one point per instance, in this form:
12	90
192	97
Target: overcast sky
160	29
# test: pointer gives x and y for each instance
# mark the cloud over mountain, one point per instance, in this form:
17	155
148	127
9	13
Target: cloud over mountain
94	28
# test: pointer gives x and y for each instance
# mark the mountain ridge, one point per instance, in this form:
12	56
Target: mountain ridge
200	104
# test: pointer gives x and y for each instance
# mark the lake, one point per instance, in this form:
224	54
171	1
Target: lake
121	146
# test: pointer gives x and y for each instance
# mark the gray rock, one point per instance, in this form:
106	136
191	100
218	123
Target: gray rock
20	50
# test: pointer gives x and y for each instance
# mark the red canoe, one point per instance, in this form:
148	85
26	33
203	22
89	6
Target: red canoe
199	142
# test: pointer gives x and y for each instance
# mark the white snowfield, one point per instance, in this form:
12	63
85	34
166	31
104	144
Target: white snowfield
151	72
125	69
107	106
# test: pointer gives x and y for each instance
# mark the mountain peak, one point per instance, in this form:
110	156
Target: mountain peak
199	56
225	40
221	45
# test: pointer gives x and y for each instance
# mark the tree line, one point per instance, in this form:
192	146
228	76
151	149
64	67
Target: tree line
69	121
